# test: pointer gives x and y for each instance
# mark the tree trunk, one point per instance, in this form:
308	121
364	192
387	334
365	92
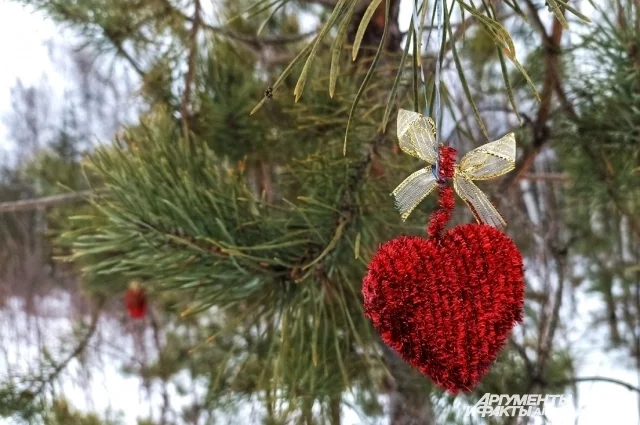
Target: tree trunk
409	402
335	410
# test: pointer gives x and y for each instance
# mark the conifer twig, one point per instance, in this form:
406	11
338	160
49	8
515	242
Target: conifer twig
346	205
551	84
47	201
256	41
123	53
523	354
594	379
251	40
82	345
545	342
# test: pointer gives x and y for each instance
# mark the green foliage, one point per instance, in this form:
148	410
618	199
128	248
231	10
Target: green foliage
343	12
25	407
599	146
17	404
223	119
178	219
63	414
279	269
254	232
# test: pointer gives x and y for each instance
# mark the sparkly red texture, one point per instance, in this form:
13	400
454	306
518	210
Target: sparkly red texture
446	198
136	301
446	304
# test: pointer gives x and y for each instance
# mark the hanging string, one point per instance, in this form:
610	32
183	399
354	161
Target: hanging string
438	77
415	23
438	110
438	81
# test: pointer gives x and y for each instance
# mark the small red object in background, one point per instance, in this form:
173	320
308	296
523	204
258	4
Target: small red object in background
136	301
446	304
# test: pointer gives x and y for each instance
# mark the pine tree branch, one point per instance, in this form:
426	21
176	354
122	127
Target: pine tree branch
123	53
606	178
116	39
72	15
346	204
523	354
258	42
48	201
554	84
82	345
593	379
551	85
251	40
547	336
604	175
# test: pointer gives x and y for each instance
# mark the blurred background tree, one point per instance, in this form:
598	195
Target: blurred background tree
250	234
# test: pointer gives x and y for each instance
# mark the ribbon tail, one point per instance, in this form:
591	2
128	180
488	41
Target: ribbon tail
480	205
413	190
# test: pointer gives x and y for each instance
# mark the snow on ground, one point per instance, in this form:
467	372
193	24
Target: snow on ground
26	55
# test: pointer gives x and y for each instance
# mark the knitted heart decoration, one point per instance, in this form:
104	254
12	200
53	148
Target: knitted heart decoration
446	304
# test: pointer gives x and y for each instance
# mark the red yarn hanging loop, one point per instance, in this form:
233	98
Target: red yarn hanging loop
447	162
446	198
440	218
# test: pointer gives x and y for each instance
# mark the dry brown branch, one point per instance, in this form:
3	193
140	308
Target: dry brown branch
82	345
551	83
258	42
48	201
548	334
595	379
606	177
253	41
123	53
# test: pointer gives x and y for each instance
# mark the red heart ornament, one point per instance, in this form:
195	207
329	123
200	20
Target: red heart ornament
447	304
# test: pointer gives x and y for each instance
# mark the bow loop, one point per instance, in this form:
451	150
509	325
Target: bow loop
491	160
417	137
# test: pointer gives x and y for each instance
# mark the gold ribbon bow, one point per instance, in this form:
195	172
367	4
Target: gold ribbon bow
417	136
